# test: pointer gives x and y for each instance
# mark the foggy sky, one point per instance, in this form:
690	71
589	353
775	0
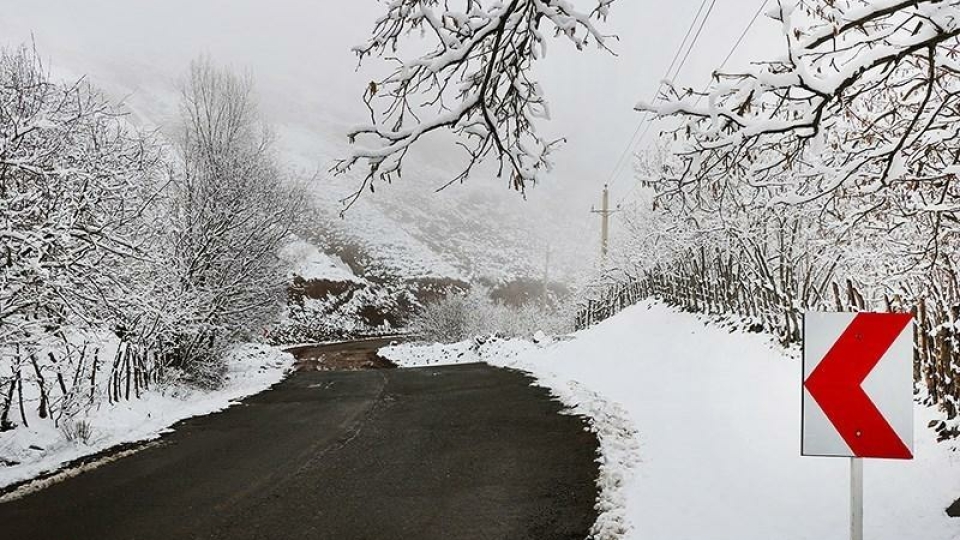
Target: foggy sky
299	53
303	45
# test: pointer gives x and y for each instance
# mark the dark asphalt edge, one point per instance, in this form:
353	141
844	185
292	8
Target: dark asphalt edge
589	422
125	448
287	347
78	463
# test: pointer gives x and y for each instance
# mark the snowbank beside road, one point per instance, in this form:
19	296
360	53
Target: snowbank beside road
715	454
28	452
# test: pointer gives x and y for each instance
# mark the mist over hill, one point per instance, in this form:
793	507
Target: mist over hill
477	230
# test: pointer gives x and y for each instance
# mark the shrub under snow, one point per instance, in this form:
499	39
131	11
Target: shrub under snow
457	317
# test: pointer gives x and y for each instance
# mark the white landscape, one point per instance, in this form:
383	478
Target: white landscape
693	446
226	211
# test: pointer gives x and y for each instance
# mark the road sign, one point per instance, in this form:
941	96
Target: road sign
858	385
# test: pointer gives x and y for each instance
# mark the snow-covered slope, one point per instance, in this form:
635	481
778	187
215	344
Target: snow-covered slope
477	230
716	451
308	262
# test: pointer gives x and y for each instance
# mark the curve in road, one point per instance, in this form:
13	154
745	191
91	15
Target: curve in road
459	452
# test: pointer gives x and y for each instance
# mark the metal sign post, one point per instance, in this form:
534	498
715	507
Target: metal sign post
857	392
856	498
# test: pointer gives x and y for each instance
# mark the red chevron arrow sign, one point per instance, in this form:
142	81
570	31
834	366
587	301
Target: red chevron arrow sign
858	385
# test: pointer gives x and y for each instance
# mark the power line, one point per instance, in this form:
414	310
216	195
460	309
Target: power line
676	56
696	38
743	35
686	36
723	64
649	121
736	45
630	144
633	190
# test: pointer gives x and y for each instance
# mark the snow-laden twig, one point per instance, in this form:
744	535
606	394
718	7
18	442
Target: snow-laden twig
475	80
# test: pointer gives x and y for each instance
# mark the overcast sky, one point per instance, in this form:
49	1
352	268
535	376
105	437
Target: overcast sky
299	53
300	48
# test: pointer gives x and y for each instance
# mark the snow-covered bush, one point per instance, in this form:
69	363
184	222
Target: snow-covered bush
457	317
126	265
229	210
74	182
447	320
77	431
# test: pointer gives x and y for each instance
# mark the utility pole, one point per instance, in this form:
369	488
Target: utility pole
546	280
605	213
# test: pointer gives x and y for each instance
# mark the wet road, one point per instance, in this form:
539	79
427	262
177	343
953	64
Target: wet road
459	452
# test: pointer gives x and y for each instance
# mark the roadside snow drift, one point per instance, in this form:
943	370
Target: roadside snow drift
699	430
42	447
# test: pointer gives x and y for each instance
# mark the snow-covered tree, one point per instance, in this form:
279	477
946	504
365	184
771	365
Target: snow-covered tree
457	317
860	112
122	261
74	183
229	209
474	79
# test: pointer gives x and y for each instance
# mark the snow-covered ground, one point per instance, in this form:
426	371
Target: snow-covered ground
307	261
699	429
43	447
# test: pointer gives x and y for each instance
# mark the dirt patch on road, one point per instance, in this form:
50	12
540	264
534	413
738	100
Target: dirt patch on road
351	356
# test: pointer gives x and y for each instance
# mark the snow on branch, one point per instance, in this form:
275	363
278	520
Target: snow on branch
475	80
872	80
74	180
862	108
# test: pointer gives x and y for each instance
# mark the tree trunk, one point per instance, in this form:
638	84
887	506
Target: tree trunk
43	412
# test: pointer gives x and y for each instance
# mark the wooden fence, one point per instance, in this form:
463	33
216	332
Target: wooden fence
758	306
56	386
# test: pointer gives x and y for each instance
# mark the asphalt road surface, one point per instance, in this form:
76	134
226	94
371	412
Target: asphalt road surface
460	452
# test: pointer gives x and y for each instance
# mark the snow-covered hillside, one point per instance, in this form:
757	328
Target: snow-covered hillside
708	446
473	231
308	262
478	230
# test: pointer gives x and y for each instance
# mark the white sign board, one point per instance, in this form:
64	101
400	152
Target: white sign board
858	385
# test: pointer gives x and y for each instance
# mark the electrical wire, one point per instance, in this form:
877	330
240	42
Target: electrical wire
647	119
743	34
726	59
612	180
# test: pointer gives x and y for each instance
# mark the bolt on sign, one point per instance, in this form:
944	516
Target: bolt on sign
858	385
